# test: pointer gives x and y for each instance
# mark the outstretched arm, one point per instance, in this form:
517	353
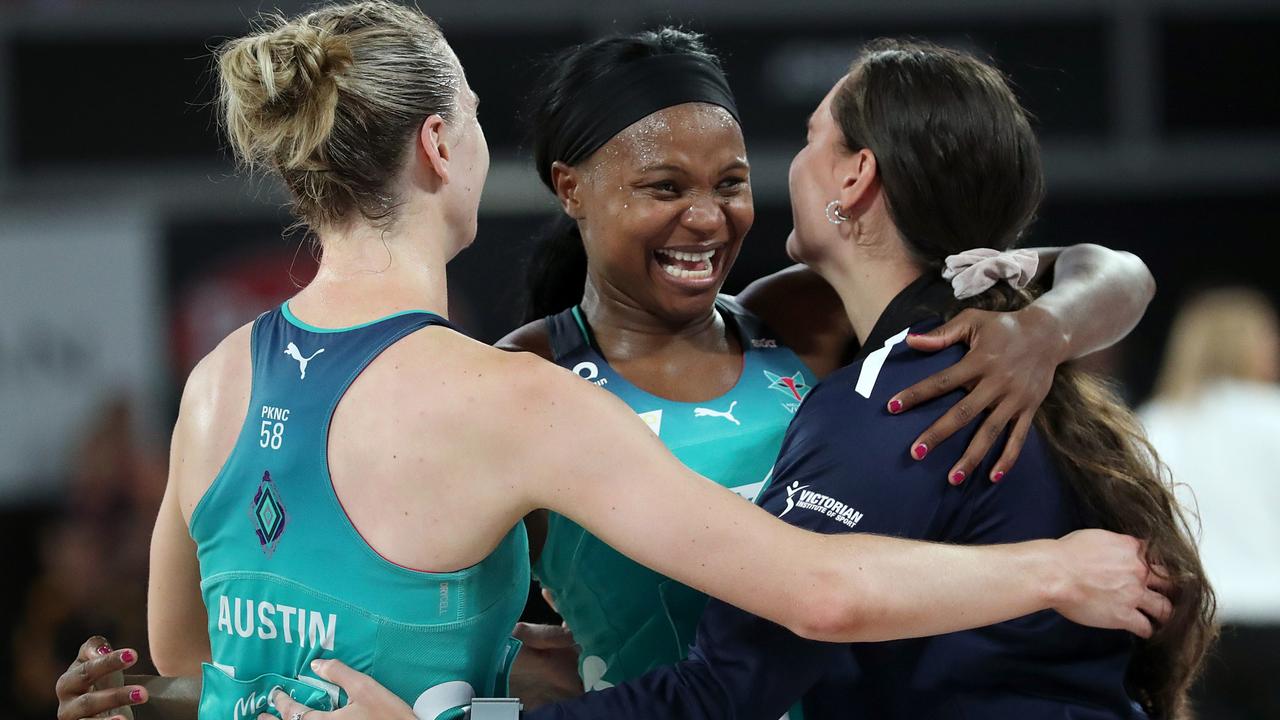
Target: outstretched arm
1098	296
614	476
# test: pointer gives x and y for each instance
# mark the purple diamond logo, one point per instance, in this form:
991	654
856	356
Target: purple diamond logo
268	514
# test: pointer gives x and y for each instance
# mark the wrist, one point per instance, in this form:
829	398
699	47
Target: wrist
1051	573
1051	328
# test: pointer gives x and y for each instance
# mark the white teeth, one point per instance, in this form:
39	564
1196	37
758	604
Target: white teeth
704	258
688	256
691	274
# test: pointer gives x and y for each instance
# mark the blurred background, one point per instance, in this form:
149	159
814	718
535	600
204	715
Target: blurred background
129	246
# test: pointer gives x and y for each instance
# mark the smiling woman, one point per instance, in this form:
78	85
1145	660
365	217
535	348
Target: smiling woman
638	138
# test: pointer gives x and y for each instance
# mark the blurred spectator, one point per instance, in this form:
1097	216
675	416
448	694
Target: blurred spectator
1215	420
93	561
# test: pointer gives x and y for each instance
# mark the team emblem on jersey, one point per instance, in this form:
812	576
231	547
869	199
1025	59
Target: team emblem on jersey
268	514
793	386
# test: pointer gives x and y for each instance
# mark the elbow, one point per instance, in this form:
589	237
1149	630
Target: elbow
833	610
1138	275
171	661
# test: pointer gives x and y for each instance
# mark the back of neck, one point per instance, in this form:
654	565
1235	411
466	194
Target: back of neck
367	275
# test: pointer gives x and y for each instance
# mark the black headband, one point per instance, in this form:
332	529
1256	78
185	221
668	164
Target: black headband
612	103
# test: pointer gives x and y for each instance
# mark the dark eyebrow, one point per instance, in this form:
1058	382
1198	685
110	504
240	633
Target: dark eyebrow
668	167
662	166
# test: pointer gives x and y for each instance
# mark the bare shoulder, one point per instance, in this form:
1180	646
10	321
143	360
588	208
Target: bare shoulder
214	402
796	290
531	337
492	378
805	312
219	383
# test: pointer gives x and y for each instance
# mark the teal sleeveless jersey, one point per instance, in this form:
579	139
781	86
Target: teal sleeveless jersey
627	618
286	578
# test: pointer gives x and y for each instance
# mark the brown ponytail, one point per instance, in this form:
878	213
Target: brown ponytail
1121	484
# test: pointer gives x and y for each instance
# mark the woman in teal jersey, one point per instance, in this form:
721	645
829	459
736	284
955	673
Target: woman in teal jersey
625	293
348	475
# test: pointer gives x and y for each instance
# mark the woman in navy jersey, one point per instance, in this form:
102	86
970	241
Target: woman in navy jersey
881	213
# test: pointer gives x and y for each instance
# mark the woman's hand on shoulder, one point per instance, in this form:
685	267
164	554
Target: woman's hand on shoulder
367	699
1007	372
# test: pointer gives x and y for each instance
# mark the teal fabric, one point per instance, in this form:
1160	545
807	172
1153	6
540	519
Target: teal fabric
627	618
286	578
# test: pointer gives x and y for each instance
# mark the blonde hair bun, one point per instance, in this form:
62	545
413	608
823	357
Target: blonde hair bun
328	101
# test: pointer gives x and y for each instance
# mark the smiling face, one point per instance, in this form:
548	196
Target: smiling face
663	208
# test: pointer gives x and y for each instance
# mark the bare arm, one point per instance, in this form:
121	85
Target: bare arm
1097	298
613	475
176	619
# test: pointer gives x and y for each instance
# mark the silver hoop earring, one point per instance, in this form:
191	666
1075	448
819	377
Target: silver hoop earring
834	216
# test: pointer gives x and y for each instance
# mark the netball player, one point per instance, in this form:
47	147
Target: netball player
654	181
886	246
348	475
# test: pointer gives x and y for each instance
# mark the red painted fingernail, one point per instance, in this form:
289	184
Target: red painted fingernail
104	649
997	476
895	406
135	696
128	656
957	477
919	451
913	335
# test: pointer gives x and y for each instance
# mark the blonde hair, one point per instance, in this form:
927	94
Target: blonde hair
1215	337
330	99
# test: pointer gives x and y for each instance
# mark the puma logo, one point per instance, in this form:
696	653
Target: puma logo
727	414
293	352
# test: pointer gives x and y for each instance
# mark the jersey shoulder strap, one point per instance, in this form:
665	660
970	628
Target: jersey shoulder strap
750	326
568	334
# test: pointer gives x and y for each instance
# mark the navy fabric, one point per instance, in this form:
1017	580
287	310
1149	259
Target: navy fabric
844	467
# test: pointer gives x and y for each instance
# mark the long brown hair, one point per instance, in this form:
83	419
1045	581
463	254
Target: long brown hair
960	168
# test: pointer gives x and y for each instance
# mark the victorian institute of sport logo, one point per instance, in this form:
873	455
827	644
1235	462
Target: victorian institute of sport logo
819	503
793	386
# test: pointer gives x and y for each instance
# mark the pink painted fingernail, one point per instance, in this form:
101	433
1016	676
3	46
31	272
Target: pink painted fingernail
128	656
997	476
920	450
135	695
104	649
895	406
957	477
